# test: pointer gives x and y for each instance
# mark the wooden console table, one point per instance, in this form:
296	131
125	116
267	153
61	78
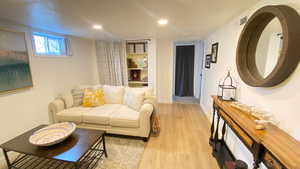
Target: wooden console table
272	146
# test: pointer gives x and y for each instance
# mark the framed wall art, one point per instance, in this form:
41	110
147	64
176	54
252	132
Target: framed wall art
214	52
207	61
15	70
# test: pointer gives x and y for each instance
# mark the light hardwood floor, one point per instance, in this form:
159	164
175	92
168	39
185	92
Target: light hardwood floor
183	142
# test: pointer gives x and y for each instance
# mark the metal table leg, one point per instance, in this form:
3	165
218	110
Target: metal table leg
76	165
7	159
104	147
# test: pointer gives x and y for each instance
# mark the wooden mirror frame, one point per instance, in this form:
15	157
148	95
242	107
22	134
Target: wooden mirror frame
290	53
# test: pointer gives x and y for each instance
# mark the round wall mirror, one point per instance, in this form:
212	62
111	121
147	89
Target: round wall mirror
268	51
269	47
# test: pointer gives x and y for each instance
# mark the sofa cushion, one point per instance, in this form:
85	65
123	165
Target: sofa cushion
133	98
100	115
125	117
73	114
67	97
113	94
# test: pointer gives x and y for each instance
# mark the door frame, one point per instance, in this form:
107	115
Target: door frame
199	53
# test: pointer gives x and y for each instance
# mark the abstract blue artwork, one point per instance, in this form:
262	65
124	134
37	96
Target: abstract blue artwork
14	62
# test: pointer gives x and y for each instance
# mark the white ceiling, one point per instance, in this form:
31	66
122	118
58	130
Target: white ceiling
127	19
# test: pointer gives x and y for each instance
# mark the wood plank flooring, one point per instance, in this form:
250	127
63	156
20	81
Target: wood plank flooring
183	142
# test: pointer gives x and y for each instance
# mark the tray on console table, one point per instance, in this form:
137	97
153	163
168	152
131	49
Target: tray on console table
82	150
272	146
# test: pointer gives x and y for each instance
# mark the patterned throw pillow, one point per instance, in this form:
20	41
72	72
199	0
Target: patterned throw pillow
68	99
78	93
77	96
93	98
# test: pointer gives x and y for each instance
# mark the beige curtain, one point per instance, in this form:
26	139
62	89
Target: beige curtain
111	61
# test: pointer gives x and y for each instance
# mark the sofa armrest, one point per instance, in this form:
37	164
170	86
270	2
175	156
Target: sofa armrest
146	109
151	100
145	120
54	107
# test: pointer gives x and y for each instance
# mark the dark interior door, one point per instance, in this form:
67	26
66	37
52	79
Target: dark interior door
184	72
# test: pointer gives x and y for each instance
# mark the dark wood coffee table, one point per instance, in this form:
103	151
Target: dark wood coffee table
82	150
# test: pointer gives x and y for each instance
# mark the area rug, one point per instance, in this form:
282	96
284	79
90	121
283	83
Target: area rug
123	153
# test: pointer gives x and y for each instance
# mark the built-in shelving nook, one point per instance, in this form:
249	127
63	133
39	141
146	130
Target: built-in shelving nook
137	63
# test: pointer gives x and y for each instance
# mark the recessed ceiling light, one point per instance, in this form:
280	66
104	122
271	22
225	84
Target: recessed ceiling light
97	27
162	21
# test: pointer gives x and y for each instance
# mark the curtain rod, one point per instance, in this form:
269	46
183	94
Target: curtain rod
138	40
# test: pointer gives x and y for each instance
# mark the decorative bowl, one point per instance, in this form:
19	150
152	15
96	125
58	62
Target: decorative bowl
52	134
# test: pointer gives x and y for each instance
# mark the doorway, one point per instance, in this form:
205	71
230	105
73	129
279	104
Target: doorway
187	71
184	71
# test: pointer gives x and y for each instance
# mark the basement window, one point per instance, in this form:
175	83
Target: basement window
50	45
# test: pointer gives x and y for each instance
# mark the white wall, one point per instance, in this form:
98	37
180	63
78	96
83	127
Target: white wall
164	70
281	100
26	109
152	71
198	67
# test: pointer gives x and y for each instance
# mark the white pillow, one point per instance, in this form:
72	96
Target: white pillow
68	99
113	94
134	98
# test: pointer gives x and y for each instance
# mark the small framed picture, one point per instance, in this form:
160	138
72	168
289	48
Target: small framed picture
214	52
207	61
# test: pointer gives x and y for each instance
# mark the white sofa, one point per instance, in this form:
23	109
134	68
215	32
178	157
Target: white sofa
115	116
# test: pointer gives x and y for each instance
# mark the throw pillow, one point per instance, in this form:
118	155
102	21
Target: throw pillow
93	98
113	94
78	93
77	96
134	98
68	99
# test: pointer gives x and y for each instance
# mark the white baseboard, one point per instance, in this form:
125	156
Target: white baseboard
206	112
165	100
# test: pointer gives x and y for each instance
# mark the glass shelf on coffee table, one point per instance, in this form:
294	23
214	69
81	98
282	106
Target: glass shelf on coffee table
82	150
